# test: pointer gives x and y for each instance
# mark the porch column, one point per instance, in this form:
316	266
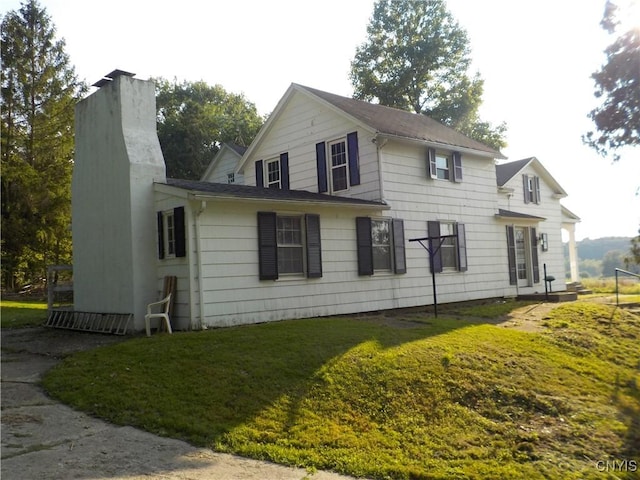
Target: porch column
573	252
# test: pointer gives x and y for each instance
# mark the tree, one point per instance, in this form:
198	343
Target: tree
612	259
416	58
633	258
39	93
194	119
617	119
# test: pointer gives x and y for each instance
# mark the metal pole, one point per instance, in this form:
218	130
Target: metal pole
546	293
617	299
433	283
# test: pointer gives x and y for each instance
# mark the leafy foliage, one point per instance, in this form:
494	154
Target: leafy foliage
416	58
194	119
617	119
39	93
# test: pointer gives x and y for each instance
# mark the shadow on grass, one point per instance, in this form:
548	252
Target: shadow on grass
199	386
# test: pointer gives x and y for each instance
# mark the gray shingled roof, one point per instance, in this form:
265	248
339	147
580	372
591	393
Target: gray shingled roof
239	149
506	171
251	192
400	123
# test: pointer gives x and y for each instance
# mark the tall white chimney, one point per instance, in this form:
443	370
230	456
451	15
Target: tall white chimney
117	159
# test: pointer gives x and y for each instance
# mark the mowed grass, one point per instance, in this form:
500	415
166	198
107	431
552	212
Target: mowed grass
23	313
381	398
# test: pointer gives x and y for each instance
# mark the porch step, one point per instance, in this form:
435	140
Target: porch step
112	323
578	288
550	297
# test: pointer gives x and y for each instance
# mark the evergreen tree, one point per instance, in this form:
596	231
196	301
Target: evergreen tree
194	119
617	119
39	93
416	58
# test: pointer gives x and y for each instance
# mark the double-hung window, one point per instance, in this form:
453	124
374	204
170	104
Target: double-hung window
289	245
290	249
380	245
338	164
170	234
273	173
447	241
444	165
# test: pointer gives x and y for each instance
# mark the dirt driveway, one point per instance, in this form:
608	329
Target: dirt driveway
43	439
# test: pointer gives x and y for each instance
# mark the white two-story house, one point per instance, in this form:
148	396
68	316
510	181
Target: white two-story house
334	190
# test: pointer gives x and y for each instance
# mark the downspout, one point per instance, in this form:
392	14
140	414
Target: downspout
200	325
380	142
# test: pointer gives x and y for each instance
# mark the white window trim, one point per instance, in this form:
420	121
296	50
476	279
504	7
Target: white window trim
275	184
302	245
331	168
169	234
390	270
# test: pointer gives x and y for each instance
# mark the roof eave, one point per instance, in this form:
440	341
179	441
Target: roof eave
200	196
447	146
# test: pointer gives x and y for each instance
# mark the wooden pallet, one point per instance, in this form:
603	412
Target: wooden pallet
112	323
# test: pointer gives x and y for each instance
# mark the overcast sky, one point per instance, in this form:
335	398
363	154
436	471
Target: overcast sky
536	58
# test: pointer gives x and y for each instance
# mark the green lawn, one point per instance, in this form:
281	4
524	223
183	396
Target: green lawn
376	397
23	313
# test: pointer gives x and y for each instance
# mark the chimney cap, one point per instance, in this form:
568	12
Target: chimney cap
112	76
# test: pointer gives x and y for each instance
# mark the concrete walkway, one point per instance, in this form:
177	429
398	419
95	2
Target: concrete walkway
43	439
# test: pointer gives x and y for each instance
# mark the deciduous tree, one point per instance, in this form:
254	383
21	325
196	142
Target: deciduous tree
195	118
416	58
617	118
39	93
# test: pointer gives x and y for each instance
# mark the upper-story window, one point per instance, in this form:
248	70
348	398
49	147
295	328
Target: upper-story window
338	164
531	186
231	178
273	173
444	165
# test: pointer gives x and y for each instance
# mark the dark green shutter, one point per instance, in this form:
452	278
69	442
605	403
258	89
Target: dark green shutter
462	247
314	246
354	158
511	255
364	245
267	246
534	256
180	232
433	230
400	260
160	236
259	174
321	164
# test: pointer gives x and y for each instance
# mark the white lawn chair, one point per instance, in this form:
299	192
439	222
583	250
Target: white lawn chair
163	314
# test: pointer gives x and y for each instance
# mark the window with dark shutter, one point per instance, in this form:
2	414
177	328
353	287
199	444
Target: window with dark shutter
179	232
534	256
511	255
259	174
321	163
364	246
457	167
536	189
314	247
433	231
284	170
160	217
354	158
267	246
400	261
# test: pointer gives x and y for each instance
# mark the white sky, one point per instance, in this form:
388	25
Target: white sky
536	58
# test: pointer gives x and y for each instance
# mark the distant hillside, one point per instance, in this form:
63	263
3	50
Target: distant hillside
596	249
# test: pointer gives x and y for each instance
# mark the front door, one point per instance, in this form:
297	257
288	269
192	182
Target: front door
522	256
